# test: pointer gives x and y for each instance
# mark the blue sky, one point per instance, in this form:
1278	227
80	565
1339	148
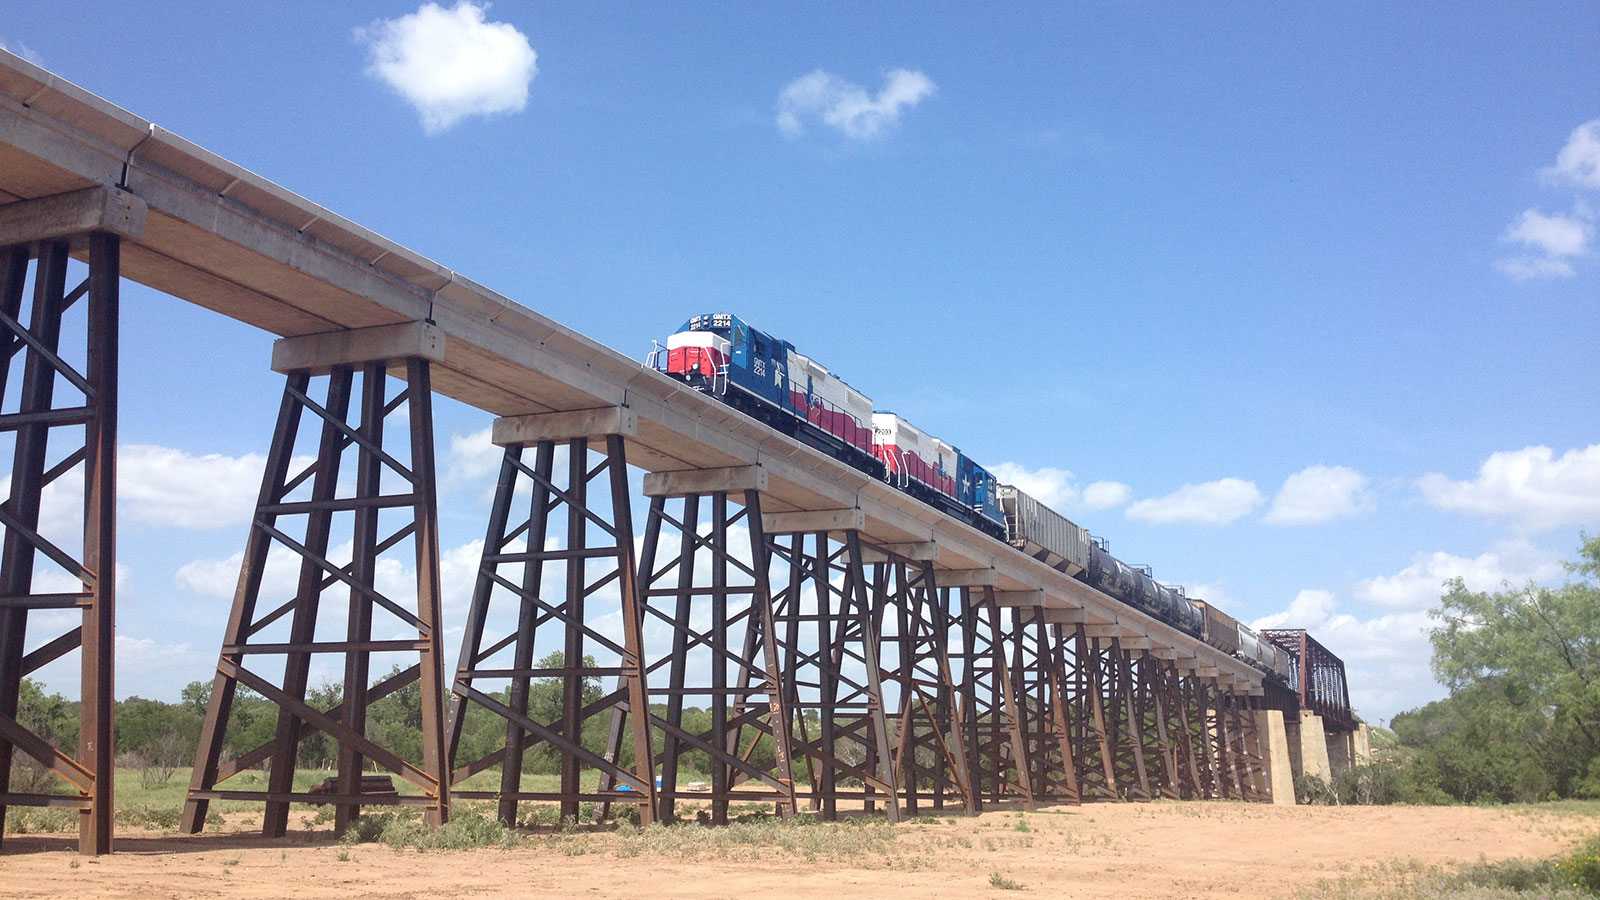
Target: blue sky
1303	292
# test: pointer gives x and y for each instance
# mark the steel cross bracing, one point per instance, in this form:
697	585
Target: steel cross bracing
556	590
995	747
722	635
912	622
301	513
63	433
830	655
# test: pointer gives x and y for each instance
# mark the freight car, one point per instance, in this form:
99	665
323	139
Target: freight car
768	379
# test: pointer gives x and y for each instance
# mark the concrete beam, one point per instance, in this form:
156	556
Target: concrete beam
1105	632
565	426
705	481
1064	616
916	551
1135	643
967	577
1019	598
1163	653
75	212
809	521
392	344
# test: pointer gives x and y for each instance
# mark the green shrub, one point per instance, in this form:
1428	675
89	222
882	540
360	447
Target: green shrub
405	829
1582	868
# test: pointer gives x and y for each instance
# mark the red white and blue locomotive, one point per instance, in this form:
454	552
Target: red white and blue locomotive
764	377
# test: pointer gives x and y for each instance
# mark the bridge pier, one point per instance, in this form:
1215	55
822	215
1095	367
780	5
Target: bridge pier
997	757
299	515
545	569
913	623
47	444
838	677
714	517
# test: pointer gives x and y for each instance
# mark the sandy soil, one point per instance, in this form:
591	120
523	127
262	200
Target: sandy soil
1156	850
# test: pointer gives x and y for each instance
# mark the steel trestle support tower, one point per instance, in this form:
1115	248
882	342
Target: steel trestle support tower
64	424
299	517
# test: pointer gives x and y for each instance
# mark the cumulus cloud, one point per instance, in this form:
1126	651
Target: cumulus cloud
1106	494
1578	163
1524	268
1209	503
1058	488
848	107
1054	488
1319	494
160	486
450	63
1553	236
165	486
1548	243
1386	657
1419	585
1532	486
472	457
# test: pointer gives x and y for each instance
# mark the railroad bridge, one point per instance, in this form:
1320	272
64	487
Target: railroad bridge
853	646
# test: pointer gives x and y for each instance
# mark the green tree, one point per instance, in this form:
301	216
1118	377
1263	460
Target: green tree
1526	662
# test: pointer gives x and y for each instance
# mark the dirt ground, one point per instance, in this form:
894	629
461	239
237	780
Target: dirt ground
1152	850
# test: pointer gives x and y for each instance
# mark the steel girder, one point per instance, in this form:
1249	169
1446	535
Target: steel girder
298	513
553	571
44	430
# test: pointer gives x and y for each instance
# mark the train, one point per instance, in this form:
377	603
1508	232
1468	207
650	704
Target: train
768	379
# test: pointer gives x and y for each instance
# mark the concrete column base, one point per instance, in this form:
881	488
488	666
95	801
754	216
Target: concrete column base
1275	756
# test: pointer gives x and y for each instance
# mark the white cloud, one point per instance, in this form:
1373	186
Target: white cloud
1530	485
1552	236
1052	487
472	458
1386	657
450	63
848	107
1318	494
1419	585
1106	494
1524	268
1308	609
164	486
1578	163
1210	503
